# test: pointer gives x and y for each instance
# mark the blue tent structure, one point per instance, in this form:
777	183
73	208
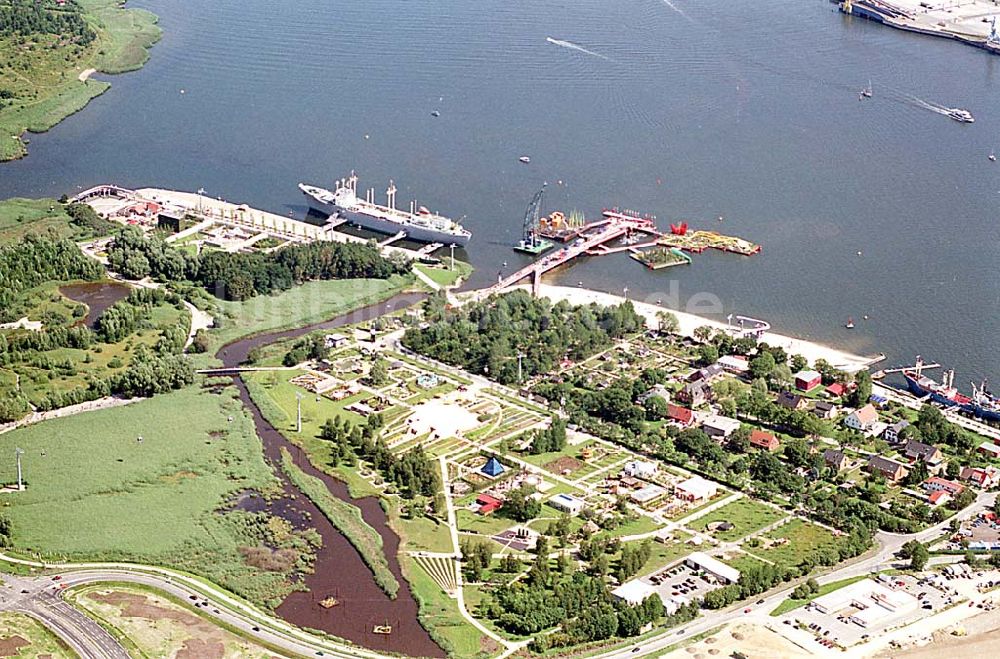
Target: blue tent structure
493	468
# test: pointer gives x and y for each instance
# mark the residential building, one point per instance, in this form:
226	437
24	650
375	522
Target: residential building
567	503
722	572
891	433
890	469
334	341
708	375
696	488
736	364
656	391
938	498
989	449
791	401
695	393
834	458
938	484
764	440
984	477
681	416
807	380
862	419
719	426
835	390
824	409
928	453
640	469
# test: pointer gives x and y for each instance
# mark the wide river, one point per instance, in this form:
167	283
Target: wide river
688	110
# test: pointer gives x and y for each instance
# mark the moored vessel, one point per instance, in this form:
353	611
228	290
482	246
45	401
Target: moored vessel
982	403
419	223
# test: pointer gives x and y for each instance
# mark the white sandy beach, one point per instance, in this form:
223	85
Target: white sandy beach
688	322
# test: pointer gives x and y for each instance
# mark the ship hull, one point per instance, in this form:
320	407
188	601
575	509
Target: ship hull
972	408
418	234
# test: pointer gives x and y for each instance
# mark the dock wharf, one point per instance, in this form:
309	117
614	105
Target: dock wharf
118	202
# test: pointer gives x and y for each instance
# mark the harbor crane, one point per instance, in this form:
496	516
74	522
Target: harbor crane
531	242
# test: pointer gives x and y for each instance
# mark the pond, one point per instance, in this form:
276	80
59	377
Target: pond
97	295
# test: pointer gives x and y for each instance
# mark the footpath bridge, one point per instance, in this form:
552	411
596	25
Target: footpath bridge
592	240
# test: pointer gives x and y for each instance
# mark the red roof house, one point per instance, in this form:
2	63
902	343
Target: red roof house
764	440
836	390
681	415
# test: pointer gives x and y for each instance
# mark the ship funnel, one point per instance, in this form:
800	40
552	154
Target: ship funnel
390	194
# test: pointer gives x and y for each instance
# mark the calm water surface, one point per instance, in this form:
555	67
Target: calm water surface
683	109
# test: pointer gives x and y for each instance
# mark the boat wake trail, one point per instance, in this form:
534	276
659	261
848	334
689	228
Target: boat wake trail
676	9
577	47
916	101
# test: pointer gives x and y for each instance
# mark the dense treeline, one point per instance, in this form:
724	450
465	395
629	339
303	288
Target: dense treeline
239	276
36	260
487	337
414	473
27	17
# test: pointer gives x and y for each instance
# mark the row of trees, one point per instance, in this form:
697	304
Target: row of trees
516	335
240	276
413	472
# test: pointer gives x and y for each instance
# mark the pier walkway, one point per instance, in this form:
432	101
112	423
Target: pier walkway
615	225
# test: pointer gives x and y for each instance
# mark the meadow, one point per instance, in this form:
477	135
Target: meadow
148	483
746	516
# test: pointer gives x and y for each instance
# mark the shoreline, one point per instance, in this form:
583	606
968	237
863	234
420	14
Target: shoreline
124	37
688	322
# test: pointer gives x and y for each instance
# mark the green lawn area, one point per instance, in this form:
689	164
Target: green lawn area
542	459
40	640
791	603
445	275
482	524
311	302
745	514
21	217
664	554
439	614
47	88
803	538
643	524
94	491
422	534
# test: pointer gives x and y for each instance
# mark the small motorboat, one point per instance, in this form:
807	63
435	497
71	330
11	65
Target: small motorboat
435	114
849	324
866	92
992	157
525	159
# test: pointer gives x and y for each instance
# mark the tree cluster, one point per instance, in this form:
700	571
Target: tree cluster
241	276
547	440
487	337
413	472
28	17
36	260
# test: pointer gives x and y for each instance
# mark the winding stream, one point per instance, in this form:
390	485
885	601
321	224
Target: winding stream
339	569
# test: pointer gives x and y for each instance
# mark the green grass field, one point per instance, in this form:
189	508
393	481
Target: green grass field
95	492
21	217
30	637
803	538
47	87
312	302
745	514
440	616
444	275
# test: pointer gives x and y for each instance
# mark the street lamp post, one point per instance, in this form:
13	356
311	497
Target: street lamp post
298	419
17	455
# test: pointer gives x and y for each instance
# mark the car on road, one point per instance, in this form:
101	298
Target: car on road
760	601
255	628
57	577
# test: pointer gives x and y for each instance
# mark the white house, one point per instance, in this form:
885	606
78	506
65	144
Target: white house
640	469
633	592
719	426
862	419
717	569
567	503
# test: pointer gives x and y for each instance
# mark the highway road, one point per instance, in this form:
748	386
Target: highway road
41	599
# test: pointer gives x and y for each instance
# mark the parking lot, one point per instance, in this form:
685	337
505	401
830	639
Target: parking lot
681	581
837	628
